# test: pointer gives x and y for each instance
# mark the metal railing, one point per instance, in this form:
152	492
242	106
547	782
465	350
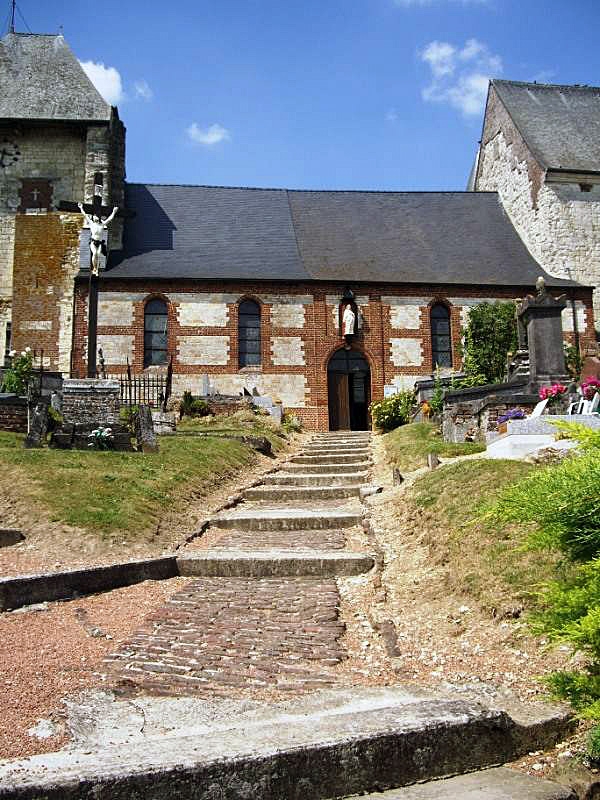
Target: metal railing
147	390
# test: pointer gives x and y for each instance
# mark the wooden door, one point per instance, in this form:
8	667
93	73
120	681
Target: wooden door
339	402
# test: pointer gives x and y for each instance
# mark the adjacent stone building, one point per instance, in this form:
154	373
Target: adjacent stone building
540	150
57	135
244	288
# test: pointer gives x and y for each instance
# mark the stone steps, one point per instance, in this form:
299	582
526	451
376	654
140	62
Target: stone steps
322	479
278	519
332	460
324	745
283	493
273	563
490	784
359	466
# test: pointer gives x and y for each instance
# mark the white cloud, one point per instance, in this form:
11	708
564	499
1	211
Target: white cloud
208	136
441	58
391	115
143	90
460	75
106	79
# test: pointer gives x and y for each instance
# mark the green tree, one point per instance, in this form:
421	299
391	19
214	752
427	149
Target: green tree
491	333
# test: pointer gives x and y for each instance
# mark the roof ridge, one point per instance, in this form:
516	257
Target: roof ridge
536	85
461	192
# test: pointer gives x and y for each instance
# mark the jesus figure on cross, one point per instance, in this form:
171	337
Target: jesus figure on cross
97	227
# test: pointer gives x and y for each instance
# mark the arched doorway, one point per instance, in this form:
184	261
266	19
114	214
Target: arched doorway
349	391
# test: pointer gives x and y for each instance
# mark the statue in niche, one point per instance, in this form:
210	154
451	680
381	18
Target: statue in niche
348	321
97	226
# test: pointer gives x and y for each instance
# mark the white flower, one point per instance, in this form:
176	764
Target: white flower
23	353
12	353
28	349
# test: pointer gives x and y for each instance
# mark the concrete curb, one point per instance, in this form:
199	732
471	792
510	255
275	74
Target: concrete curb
372	741
274	563
24	590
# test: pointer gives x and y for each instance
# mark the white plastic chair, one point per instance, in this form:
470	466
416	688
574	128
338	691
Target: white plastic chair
576	406
591	406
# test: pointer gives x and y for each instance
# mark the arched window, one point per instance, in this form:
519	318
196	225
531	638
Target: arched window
249	334
441	349
155	333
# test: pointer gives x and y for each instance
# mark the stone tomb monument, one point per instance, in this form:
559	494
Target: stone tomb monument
541	319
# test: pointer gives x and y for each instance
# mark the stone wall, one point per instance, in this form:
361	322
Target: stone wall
13	413
45	264
299	333
471	413
559	223
91	400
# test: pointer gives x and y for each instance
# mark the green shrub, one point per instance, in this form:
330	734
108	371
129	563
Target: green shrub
571	613
564	503
593	746
17	376
573	360
491	333
391	412
291	424
588	438
191	406
55	419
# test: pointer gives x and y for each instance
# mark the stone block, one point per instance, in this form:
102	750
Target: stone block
116	348
406	352
287	351
113	309
204	350
203	311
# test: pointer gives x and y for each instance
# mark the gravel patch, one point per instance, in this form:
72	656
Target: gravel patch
49	653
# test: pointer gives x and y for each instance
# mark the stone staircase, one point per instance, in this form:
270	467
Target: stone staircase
233	689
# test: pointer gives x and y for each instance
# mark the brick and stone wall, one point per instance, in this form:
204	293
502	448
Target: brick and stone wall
299	333
559	223
13	413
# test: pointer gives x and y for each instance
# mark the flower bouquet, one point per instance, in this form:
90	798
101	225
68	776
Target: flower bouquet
554	393
589	387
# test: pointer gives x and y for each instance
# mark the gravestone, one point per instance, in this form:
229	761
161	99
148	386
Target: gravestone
144	431
38	426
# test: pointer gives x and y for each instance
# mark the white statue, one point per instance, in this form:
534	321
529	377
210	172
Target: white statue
348	320
97	226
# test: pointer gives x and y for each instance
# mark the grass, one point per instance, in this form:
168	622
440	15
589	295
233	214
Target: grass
108	491
240	423
483	559
407	447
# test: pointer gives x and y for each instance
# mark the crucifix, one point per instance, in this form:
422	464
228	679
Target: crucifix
97	216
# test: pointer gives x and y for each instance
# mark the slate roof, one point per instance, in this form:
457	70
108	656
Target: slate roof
204	232
41	79
560	124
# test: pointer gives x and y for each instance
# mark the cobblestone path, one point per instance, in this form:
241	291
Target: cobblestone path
245	636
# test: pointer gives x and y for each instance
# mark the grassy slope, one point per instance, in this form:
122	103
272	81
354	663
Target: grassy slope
484	559
407	447
107	491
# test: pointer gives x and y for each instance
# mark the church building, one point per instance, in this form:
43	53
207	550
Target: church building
324	300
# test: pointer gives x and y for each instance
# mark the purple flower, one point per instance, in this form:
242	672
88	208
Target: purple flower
512	413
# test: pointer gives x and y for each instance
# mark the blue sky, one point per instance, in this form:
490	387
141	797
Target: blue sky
354	94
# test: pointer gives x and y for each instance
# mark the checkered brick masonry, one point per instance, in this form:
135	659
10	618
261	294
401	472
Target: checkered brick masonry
299	333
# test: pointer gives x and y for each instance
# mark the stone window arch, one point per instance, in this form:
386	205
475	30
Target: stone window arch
249	345
441	344
155	332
